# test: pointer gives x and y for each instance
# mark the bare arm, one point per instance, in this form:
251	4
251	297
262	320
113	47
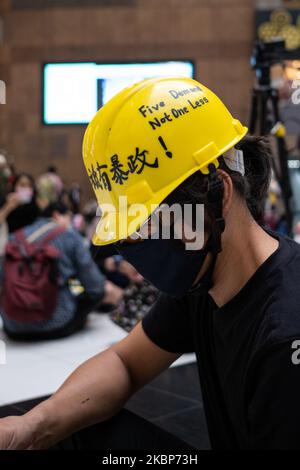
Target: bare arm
4	212
94	392
11	203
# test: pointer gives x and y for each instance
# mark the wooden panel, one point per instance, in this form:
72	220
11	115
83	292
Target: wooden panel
141	52
41	4
122	26
4	6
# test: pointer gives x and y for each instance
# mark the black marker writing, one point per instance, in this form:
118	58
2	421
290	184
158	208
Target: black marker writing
137	162
162	143
119	175
99	178
198	103
157	122
145	109
177	112
186	91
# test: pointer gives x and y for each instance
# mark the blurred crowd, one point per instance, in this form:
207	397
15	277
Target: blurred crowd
42	212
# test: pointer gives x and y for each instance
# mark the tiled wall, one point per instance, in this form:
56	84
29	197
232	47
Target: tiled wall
216	34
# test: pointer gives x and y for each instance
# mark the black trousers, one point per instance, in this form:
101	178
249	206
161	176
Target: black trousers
85	304
124	431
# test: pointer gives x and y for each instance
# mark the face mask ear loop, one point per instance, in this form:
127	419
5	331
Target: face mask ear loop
215	200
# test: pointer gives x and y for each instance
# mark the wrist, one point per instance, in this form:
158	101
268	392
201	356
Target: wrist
43	428
6	209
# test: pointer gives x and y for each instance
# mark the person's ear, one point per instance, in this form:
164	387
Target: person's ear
228	190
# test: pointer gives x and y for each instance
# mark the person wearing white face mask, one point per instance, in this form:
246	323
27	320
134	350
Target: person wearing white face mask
20	208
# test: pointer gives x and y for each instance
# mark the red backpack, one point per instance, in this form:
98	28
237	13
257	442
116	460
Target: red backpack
31	281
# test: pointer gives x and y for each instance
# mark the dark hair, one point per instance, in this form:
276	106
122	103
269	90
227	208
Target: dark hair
59	207
52	169
253	186
26	175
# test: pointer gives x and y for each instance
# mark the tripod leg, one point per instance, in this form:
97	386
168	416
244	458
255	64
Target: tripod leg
263	114
283	161
253	112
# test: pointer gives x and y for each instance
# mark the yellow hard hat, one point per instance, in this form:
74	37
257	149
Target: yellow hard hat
147	140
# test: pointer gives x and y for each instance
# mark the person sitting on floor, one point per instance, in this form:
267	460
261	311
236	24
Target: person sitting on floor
74	261
19	207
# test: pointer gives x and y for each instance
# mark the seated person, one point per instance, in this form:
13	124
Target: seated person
20	208
74	261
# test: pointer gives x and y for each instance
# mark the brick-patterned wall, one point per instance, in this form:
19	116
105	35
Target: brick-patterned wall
216	34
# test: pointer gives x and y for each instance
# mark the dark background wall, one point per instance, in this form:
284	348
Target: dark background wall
216	34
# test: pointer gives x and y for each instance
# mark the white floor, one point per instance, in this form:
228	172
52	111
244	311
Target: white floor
33	370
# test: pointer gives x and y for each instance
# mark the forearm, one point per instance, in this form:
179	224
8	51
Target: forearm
93	393
4	213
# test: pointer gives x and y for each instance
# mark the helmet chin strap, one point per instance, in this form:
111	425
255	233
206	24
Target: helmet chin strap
215	199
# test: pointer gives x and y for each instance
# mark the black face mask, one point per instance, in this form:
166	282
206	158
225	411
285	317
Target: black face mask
166	263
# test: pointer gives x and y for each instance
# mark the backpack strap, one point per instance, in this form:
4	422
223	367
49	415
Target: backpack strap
52	234
40	231
24	241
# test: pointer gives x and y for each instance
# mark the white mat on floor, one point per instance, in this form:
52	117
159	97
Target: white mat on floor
36	369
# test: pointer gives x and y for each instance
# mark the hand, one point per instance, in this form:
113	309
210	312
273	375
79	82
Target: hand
13	201
15	433
110	264
128	270
112	294
124	268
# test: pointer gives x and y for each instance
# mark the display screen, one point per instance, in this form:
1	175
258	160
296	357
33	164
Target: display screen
73	92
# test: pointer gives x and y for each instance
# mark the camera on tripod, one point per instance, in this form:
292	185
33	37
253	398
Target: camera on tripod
265	113
264	55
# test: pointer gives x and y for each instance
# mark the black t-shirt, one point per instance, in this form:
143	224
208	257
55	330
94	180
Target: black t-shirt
250	384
